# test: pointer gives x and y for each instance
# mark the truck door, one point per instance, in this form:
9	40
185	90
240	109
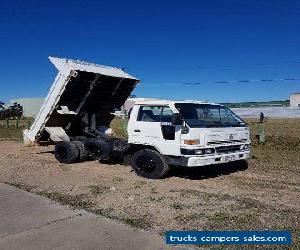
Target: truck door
154	127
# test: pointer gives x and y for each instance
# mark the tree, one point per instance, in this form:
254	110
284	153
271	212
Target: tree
1	105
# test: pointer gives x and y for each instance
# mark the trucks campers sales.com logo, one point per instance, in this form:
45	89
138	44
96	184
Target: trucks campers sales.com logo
229	237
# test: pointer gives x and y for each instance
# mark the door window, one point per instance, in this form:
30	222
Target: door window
166	115
167	128
149	113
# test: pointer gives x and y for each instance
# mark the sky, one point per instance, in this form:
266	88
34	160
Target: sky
164	43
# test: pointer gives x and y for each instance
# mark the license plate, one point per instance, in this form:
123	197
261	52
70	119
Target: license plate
230	158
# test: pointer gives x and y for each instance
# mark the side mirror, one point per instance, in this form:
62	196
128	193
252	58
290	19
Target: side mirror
177	119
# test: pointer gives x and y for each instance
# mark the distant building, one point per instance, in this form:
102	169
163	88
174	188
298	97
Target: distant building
295	100
31	106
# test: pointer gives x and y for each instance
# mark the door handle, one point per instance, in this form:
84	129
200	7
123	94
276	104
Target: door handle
137	130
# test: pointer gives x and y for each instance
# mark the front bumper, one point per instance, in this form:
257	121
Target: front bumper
198	161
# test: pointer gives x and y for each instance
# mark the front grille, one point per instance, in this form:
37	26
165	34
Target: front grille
228	149
228	142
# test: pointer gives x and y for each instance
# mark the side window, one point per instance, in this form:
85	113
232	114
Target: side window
149	113
166	115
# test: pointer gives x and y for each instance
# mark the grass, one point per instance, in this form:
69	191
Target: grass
119	126
177	206
22	186
139	184
190	193
11	134
97	190
117	179
24	122
190	217
156	199
227	220
138	223
83	201
80	201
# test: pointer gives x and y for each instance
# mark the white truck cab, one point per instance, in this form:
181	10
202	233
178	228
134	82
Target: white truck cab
189	133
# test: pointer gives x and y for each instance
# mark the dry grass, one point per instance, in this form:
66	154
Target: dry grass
119	126
10	134
14	133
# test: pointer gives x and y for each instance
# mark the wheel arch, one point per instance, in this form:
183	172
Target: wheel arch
137	147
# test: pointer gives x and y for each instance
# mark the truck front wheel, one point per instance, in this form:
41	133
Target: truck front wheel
149	164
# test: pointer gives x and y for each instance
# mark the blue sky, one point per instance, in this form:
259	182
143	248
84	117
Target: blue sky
164	43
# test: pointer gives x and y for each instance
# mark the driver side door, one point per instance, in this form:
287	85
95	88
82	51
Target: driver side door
154	127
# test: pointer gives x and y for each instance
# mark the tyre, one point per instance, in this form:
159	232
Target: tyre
83	153
241	164
99	149
149	163
66	152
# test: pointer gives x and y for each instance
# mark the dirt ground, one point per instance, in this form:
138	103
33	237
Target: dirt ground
261	196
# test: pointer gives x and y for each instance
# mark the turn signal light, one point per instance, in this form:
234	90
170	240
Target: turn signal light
191	142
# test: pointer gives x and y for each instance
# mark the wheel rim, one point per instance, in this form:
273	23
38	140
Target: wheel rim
145	164
62	153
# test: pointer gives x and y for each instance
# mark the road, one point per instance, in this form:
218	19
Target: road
29	221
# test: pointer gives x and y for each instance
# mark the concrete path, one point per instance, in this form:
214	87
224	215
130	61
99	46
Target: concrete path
29	221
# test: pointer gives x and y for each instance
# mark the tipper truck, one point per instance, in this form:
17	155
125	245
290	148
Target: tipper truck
161	133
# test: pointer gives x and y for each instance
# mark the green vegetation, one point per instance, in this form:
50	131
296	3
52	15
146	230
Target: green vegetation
24	122
10	134
258	104
12	129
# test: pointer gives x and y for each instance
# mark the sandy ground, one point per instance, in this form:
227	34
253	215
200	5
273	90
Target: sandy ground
229	197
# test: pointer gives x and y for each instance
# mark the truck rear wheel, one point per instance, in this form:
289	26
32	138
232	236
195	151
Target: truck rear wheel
83	154
66	152
149	164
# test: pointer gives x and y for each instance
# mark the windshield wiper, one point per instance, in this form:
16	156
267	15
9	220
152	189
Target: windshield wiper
214	124
238	124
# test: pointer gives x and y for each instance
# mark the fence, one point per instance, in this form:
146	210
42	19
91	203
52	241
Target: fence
16	123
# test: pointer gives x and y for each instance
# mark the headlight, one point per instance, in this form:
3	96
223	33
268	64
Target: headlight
245	146
198	152
209	150
204	151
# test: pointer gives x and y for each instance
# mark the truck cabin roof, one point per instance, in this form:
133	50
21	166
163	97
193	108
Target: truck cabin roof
166	102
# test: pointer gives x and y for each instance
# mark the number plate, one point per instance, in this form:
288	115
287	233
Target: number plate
230	158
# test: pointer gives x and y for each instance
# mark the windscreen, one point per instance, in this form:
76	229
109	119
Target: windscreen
207	115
